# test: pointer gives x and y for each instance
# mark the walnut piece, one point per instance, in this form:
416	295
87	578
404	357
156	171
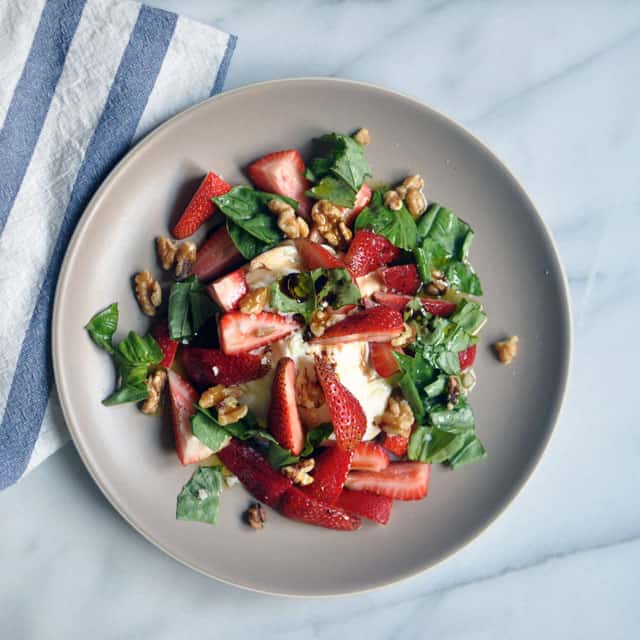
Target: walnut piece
256	516
299	473
148	293
167	250
329	223
290	224
185	257
438	285
254	301
392	200
225	400
397	418
156	383
453	391
413	182
319	321
362	136
308	390
415	203
507	350
407	336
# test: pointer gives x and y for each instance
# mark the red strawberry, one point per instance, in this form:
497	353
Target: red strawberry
216	256
378	324
257	476
347	416
363	197
227	291
436	306
329	474
200	209
400	481
368	251
303	508
207	367
183	396
369	456
160	333
382	360
284	420
240	332
403	278
467	357
282	172
367	505
397	444
315	256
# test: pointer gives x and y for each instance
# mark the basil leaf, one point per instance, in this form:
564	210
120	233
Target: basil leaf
335	287
410	392
102	327
449	362
349	161
318	168
127	393
445	228
455	420
437	387
433	445
462	277
208	431
199	499
189	308
315	437
397	226
245	243
470	451
279	456
469	316
335	190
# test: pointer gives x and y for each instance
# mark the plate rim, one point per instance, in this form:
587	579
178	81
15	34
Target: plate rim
85	220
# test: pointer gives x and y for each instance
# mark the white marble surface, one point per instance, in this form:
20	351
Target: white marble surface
554	88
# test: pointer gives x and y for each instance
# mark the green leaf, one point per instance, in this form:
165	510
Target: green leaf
128	393
469	316
189	308
245	243
449	362
461	276
102	327
335	190
318	168
455	420
411	394
437	387
208	431
349	161
199	499
279	456
471	450
315	437
445	228
397	226
433	445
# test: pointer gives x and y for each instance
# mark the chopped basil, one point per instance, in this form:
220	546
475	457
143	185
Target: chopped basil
189	308
280	457
199	499
469	316
102	327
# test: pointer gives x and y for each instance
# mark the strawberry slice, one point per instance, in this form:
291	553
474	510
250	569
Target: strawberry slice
436	306
200	208
382	360
347	416
282	172
183	396
400	481
368	251
315	256
240	332
403	278
363	197
367	505
216	256
467	357
378	324
369	456
303	508
329	474
207	367
160	333
227	291
257	476
397	444
284	420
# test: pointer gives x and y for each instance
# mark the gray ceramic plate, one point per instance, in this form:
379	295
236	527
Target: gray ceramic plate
128	454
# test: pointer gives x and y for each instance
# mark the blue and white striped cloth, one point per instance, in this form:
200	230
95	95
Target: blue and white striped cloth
80	81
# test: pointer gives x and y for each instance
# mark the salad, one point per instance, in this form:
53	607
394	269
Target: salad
317	347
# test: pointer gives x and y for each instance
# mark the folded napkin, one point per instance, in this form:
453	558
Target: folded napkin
80	82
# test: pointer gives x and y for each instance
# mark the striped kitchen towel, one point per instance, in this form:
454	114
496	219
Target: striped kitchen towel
80	82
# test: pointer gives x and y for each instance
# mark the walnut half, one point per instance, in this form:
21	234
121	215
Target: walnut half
148	293
397	418
507	350
155	386
300	473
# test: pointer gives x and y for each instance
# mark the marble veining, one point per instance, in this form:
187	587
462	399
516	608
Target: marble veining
553	88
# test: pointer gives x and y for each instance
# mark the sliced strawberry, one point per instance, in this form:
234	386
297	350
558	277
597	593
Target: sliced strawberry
257	476
467	357
240	332
382	360
160	333
282	172
367	505
368	251
315	256
200	208
284	420
403	278
303	508
400	481
347	416
397	444
183	396
207	367
369	456
378	324
363	197
436	306
227	291
329	474
216	256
